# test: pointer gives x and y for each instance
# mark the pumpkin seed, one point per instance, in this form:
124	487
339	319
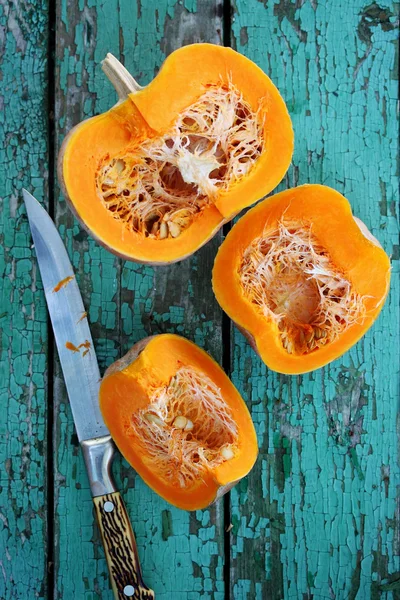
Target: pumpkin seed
163	231
309	336
108	193
182	217
180	422
189	425
174	229
119	165
154	419
319	333
287	344
227	453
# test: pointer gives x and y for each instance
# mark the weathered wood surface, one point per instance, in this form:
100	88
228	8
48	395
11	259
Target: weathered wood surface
181	553
23	317
317	517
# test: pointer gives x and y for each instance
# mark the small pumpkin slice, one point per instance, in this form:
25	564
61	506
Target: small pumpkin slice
302	278
155	177
178	420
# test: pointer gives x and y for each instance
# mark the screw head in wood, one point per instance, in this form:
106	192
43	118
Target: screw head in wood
129	591
108	506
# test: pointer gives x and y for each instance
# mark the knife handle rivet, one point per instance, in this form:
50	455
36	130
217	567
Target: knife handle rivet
108	506
129	591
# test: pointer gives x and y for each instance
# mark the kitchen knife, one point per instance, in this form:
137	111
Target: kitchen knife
82	379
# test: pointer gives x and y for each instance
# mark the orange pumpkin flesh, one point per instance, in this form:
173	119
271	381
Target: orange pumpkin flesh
191	442
199	179
302	278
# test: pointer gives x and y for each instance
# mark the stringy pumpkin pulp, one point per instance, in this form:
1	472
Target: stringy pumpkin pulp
290	277
159	187
187	428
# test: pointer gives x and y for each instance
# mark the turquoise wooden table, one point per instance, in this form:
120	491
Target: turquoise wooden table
318	517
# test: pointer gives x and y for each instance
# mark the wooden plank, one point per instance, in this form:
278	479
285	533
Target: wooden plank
23	318
181	553
317	516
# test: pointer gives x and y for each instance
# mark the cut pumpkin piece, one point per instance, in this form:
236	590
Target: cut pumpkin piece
302	278
155	177
178	420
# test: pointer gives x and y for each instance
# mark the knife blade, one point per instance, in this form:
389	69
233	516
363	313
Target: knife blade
82	378
70	325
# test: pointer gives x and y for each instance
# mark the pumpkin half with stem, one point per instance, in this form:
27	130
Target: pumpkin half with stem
302	278
178	420
157	175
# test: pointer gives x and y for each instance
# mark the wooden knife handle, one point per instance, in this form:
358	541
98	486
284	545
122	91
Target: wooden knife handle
120	549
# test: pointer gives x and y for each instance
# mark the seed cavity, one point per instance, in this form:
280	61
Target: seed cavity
173	178
187	429
289	275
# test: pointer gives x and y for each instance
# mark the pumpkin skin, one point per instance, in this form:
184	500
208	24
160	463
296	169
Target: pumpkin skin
126	389
351	248
145	113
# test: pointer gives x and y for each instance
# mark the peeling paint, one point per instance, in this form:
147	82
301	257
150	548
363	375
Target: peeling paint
23	326
319	515
181	553
328	459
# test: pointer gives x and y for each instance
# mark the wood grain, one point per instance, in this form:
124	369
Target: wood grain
23	316
318	516
181	553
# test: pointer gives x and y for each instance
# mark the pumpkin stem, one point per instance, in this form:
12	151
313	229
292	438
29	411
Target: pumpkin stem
121	79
